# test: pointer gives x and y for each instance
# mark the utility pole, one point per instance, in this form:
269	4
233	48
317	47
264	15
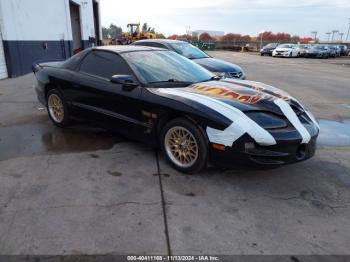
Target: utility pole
329	35
314	33
347	35
261	38
188	30
341	37
333	32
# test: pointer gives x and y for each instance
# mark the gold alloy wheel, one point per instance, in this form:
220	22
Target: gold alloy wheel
181	146
56	109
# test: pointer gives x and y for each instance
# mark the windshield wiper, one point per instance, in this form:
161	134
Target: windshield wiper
213	78
201	57
171	80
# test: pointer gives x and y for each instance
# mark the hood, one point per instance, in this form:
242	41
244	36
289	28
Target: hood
241	94
268	48
314	50
283	49
216	65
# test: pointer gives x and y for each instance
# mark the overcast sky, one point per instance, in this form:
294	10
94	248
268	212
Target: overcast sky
239	16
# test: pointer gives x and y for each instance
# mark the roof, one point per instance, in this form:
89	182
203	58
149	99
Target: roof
126	48
167	41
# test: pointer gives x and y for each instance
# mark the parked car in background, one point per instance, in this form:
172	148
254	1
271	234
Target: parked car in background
268	49
343	49
303	48
286	50
219	67
161	98
318	51
333	51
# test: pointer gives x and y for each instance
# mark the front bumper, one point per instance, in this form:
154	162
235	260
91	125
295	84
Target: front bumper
287	150
313	55
40	94
266	52
284	54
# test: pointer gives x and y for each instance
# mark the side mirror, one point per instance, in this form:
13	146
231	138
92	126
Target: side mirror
127	81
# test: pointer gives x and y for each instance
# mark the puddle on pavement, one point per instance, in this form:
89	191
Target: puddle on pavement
42	137
334	133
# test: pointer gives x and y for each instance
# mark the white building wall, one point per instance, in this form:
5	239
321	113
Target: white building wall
3	68
87	17
43	19
34	30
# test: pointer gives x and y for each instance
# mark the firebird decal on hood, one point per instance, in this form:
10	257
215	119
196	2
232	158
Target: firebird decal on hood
240	91
261	87
238	95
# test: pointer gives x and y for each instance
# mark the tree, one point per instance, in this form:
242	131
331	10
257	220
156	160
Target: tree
295	39
112	31
105	32
144	28
283	37
230	38
173	37
306	40
160	36
246	38
205	37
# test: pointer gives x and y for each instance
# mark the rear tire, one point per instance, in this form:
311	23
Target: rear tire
57	108
184	146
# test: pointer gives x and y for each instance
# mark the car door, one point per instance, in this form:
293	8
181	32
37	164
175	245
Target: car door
99	100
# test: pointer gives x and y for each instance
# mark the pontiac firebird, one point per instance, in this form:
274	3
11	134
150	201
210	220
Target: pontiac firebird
163	99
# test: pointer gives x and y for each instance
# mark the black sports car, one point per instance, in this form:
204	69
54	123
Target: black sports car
218	67
162	98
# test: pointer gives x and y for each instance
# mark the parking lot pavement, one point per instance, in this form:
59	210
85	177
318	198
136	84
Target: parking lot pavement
85	190
297	209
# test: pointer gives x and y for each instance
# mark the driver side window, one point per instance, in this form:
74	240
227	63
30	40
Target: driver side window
104	64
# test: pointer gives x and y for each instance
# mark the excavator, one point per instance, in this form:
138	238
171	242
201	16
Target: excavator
134	33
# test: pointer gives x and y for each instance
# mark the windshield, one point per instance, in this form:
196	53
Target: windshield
188	50
166	66
271	45
285	46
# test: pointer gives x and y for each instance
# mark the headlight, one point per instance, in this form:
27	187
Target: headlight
220	74
267	120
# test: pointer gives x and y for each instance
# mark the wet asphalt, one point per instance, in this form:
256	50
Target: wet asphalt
85	190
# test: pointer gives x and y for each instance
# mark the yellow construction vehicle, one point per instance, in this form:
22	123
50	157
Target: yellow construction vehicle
134	33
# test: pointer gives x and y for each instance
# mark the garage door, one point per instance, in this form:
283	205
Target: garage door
3	70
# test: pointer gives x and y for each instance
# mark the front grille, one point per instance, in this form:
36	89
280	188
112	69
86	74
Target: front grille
236	74
297	110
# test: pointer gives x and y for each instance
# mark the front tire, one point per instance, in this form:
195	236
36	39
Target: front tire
57	108
184	145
